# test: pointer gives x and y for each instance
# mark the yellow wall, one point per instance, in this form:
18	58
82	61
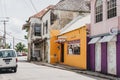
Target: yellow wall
76	60
54	46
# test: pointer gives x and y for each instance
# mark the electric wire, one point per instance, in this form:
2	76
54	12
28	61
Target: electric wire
5	8
27	5
33	6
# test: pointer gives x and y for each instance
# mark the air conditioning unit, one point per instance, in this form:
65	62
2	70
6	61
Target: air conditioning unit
113	31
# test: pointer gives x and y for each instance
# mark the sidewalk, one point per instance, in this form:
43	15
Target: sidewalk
77	70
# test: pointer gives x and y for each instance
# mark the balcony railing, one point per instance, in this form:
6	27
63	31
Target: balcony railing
37	33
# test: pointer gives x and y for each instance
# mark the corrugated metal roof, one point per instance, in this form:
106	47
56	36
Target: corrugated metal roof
74	5
75	24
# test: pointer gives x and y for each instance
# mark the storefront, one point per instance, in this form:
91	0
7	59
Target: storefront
105	54
69	45
73	49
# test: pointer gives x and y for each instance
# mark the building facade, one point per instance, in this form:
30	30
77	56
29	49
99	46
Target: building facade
104	41
71	43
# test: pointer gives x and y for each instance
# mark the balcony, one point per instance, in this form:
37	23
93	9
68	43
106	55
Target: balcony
36	36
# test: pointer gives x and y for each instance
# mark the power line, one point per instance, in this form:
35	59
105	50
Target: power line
5	8
25	2
33	6
12	36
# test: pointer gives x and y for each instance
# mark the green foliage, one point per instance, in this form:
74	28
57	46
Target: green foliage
20	47
7	46
26	36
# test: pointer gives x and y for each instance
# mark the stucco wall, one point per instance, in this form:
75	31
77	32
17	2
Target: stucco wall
76	60
54	47
105	25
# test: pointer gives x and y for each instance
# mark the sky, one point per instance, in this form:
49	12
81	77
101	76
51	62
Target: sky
18	12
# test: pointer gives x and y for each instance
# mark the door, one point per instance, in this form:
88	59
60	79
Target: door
111	56
98	57
62	52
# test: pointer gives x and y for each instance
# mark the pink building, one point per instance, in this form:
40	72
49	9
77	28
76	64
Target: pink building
105	37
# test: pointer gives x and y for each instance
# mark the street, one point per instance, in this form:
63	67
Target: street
29	71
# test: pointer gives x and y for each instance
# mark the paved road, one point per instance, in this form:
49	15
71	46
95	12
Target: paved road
29	71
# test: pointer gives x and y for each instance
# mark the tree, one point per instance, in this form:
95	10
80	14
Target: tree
20	47
26	36
7	46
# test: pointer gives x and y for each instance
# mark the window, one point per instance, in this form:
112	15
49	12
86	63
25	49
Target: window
74	47
43	28
111	7
37	29
99	11
53	17
9	53
46	26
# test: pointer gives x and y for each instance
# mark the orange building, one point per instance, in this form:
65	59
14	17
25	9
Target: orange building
70	45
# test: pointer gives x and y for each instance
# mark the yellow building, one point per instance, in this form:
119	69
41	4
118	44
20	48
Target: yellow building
70	45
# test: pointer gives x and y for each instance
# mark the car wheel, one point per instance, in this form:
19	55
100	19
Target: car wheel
15	69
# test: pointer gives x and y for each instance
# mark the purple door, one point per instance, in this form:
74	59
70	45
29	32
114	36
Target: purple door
104	58
118	55
92	57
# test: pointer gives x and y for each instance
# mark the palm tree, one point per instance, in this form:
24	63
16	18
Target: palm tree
20	47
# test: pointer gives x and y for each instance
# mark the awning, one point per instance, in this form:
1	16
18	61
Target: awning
94	40
108	38
61	39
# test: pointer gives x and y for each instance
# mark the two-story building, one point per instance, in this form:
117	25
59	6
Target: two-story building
49	20
38	34
105	38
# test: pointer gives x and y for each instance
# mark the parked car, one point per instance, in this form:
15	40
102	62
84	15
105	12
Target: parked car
24	54
8	60
19	54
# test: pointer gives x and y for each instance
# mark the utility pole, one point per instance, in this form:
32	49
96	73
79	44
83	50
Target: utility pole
13	43
5	20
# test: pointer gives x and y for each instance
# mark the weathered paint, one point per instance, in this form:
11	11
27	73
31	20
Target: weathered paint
54	50
98	57
79	61
118	55
92	57
111	57
104	58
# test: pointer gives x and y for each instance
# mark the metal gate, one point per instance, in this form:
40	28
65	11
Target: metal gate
111	57
98	57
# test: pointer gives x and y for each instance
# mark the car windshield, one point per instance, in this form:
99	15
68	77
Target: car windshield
7	53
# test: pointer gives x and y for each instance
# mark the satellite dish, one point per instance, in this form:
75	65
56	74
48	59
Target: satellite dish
113	31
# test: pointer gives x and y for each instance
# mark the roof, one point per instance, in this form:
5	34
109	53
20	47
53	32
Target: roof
74	5
6	49
25	25
76	24
42	12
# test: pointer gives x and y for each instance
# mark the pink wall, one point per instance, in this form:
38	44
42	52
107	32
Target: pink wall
105	25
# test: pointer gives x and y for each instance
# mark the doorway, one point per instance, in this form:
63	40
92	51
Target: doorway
62	52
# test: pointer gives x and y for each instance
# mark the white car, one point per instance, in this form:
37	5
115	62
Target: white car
8	59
